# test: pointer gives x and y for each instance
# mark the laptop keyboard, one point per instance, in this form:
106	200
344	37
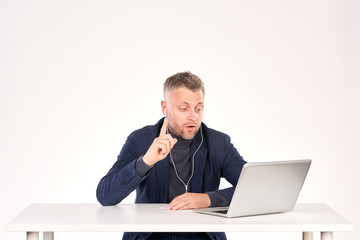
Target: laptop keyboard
222	211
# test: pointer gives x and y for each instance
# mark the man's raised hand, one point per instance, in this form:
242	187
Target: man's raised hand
160	147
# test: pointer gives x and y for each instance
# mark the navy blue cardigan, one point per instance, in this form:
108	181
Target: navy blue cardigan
216	158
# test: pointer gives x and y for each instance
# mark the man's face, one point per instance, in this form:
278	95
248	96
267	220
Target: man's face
184	109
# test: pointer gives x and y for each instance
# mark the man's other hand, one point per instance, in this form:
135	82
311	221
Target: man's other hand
190	201
160	147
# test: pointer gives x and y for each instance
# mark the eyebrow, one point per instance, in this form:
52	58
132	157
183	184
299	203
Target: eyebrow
200	103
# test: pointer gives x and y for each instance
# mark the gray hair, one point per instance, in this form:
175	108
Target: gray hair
183	79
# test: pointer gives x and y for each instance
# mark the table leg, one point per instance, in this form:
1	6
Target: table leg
326	236
308	236
48	236
32	236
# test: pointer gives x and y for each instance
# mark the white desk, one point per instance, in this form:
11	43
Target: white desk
50	218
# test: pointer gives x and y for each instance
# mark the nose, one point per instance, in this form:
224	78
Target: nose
193	115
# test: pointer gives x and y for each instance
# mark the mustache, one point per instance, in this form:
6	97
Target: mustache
190	124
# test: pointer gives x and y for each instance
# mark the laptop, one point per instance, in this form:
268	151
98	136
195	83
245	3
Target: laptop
264	188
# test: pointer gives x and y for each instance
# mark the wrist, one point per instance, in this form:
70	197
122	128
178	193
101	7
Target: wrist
147	161
207	200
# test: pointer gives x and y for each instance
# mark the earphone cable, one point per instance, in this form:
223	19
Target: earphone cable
193	162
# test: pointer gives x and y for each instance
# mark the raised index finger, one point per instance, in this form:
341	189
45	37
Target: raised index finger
164	127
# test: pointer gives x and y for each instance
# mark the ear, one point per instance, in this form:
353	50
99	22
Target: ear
163	107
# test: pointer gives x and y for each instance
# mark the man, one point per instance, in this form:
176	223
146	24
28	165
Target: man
179	160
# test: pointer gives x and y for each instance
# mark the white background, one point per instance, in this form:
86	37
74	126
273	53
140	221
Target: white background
77	77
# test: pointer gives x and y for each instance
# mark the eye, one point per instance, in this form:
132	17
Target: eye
199	109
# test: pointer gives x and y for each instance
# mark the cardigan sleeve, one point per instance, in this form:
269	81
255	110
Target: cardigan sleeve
122	178
231	168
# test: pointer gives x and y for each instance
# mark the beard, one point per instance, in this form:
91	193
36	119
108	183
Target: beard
183	131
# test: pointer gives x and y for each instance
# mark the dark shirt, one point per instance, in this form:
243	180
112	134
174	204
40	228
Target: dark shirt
180	154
